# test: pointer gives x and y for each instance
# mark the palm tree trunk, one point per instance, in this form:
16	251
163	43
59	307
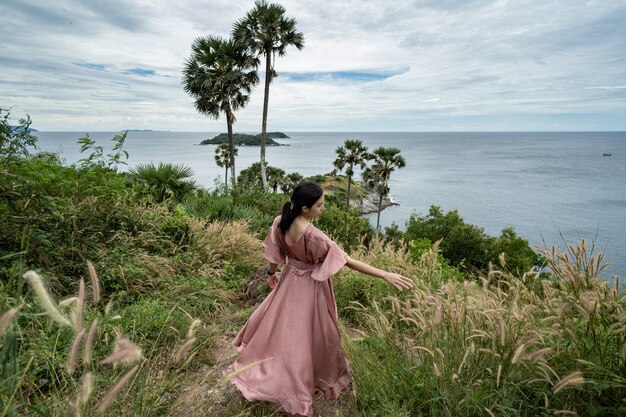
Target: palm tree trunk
226	178
380	206
348	196
231	146
268	78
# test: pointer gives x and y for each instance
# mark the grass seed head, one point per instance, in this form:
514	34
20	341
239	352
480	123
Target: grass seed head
110	396
45	299
73	358
573	379
95	283
6	319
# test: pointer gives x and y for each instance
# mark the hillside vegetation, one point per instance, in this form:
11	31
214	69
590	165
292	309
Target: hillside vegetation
142	298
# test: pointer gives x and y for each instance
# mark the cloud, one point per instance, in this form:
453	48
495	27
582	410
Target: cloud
607	87
343	76
420	65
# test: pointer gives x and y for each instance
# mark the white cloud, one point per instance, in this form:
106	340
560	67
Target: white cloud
482	65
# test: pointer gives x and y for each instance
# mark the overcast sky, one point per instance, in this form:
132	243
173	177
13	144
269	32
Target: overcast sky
367	65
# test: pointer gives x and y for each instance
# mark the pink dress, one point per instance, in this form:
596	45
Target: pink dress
294	331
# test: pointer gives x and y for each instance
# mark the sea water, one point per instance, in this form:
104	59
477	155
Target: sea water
551	187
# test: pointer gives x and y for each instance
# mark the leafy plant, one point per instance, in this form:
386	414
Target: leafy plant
467	246
165	180
15	141
96	155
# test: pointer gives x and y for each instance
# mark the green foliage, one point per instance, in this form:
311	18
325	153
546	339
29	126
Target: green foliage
240	139
467	246
257	209
345	226
352	153
518	255
290	182
222	159
15	141
58	215
385	161
166	180
219	75
96	155
152	319
251	177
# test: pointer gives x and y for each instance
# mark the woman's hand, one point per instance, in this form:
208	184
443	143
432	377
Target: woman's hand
272	280
397	280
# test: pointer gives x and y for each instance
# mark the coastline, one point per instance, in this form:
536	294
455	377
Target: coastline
369	203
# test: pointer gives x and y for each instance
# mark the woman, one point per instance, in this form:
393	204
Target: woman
290	343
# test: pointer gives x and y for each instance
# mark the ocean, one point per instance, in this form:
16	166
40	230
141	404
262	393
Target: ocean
550	187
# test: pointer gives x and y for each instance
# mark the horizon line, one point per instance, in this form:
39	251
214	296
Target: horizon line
332	131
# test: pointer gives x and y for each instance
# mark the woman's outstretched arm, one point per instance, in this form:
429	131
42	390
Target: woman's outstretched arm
397	280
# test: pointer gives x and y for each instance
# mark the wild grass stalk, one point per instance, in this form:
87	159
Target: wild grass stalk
498	346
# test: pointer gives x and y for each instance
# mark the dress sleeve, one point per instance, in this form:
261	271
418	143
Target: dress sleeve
273	252
329	259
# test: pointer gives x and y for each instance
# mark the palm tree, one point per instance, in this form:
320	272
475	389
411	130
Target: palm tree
266	31
352	153
386	160
249	177
166	180
290	182
219	75
222	159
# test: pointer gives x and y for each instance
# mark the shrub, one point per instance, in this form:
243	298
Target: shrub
467	246
15	141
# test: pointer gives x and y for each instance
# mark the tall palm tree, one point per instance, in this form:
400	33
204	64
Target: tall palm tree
352	153
222	159
386	160
265	30
219	75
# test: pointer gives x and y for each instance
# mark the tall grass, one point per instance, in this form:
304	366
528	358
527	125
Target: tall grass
550	344
88	370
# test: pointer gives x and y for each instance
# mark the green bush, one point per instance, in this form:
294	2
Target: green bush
346	227
467	246
15	141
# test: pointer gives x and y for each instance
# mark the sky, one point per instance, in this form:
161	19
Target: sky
367	65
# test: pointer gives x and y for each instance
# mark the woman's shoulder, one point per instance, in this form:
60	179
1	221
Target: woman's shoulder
313	233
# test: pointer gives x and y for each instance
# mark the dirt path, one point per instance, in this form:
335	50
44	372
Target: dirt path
204	393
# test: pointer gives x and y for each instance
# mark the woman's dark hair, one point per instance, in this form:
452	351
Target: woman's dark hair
304	195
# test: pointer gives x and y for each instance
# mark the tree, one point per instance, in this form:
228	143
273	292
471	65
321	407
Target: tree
15	140
265	30
290	182
166	180
386	160
222	159
220	75
467	246
251	176
352	153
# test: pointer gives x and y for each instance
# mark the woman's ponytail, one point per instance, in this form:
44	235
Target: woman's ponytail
287	217
304	195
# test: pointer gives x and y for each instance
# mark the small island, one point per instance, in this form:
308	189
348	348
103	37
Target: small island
244	139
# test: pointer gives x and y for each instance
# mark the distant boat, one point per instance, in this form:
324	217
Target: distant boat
607	154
